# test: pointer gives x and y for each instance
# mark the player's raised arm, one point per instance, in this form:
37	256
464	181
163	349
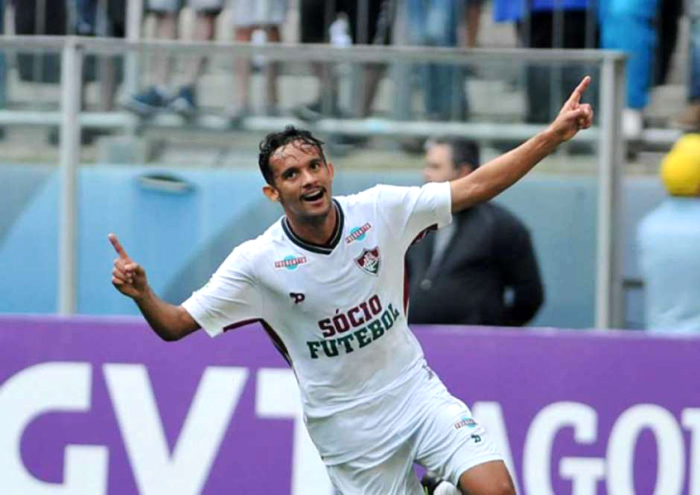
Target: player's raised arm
502	172
170	322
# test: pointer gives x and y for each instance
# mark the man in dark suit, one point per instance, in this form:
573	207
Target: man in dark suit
481	269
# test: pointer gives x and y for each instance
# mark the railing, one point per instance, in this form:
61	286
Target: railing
606	134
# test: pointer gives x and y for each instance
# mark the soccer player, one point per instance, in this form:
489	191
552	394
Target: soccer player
327	284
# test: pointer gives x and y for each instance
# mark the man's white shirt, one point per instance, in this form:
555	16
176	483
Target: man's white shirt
337	313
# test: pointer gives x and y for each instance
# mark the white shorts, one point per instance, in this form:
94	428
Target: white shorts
174	6
258	13
446	440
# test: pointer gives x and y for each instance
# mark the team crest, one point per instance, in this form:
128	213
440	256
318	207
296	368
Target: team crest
369	260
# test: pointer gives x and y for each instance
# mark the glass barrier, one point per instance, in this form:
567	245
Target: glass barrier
29	179
171	167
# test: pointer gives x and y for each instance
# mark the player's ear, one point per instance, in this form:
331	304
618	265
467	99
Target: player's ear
271	193
331	169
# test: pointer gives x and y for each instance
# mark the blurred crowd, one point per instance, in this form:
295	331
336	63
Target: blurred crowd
647	30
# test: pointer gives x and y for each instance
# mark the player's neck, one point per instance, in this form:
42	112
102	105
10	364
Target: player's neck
315	230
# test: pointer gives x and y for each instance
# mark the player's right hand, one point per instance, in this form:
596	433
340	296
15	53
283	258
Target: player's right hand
128	277
574	115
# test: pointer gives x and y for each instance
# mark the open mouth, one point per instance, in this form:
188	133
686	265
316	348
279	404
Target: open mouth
313	196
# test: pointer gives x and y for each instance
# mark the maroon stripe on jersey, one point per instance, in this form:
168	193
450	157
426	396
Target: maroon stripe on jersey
423	233
318	248
279	345
405	288
406	283
276	341
242	323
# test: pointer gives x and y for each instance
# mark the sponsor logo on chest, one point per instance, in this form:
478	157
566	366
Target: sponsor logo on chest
347	331
290	262
465	422
358	233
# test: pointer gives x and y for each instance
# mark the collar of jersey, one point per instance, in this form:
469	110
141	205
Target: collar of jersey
317	248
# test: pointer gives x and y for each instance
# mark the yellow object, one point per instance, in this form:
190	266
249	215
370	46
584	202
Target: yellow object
680	170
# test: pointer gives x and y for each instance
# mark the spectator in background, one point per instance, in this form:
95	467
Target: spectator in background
264	17
690	120
443	23
89	19
86	17
668	23
158	96
101	18
368	22
479	270
629	25
3	66
40	17
537	26
669	245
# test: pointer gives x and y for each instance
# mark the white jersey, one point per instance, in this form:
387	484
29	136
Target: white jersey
337	313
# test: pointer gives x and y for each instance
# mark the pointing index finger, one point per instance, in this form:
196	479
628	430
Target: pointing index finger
578	92
118	247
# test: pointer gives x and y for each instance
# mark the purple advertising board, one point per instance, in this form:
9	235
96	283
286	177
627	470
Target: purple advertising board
102	406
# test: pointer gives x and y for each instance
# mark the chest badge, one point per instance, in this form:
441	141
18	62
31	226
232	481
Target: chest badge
369	260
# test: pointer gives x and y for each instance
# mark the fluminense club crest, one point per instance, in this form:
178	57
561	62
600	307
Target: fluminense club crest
369	260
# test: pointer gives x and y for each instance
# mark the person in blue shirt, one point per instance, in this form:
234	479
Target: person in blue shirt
629	26
669	245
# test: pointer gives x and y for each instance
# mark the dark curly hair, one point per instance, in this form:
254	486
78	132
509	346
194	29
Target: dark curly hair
276	140
465	153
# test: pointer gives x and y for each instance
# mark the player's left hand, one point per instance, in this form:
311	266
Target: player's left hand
574	115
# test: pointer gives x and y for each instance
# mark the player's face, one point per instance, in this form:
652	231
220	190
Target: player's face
302	181
439	166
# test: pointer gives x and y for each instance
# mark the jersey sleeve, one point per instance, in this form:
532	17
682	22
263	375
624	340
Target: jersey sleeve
409	211
230	299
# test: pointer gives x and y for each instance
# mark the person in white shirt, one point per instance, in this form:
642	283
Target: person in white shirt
668	238
327	284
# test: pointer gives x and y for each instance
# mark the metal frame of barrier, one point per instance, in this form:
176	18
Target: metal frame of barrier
609	306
